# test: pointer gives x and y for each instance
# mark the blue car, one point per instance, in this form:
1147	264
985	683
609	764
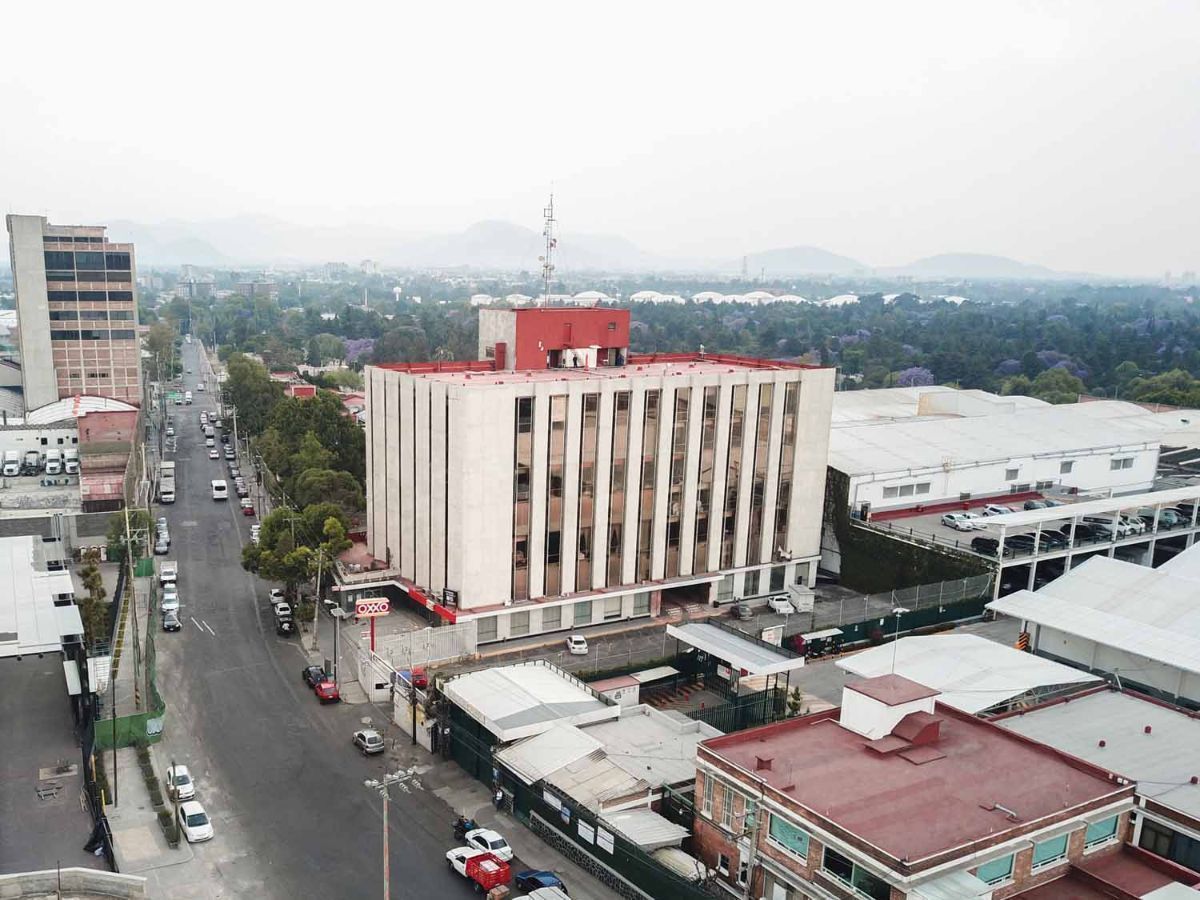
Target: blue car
531	880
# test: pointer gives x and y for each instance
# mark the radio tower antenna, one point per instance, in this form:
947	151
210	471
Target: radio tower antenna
551	242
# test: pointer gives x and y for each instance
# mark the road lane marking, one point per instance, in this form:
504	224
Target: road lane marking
194	622
209	627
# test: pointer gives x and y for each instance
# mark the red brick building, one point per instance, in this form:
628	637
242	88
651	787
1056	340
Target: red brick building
896	796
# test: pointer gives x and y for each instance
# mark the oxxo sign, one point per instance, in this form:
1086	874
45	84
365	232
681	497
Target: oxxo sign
369	609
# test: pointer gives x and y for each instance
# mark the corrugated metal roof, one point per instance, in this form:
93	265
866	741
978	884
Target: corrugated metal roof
952	886
522	700
1161	762
534	758
74	407
646	828
741	653
972	673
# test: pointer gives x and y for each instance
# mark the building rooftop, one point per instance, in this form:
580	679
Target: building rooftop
972	673
1148	612
891	404
915	444
651	365
892	689
1131	872
1162	761
646	828
521	700
912	810
74	408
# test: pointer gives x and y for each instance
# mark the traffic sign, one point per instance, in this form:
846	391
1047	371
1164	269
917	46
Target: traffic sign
370	608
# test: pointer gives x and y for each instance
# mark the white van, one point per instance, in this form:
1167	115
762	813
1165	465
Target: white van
220	490
187	397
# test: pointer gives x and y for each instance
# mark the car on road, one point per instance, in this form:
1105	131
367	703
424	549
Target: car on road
490	841
229	454
281	608
577	645
327	691
369	741
209	442
741	611
171	621
161	546
170	431
532	879
1034	504
241	490
313	675
179	783
200	387
1167	518
995	509
247	507
213	454
962	521
224	439
194	822
170	599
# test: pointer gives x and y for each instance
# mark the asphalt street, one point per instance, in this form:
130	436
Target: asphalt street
275	769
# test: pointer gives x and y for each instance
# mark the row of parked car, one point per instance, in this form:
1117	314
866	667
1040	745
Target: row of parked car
1089	529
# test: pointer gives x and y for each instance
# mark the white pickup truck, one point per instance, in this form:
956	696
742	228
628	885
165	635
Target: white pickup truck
168	572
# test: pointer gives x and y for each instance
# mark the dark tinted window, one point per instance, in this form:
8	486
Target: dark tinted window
120	295
91	295
59	259
61	295
116	261
87	259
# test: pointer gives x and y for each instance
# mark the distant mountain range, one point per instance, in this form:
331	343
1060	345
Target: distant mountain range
499	245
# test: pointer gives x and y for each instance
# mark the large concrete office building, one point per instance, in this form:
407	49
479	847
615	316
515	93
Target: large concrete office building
76	312
561	481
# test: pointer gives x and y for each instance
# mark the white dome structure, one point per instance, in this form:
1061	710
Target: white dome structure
840	300
645	297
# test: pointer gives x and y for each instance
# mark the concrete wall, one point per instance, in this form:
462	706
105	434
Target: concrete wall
108	427
33	309
75	883
40	438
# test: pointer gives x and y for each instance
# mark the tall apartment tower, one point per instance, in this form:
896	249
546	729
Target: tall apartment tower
76	312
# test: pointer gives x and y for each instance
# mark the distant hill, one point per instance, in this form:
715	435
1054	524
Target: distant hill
786	261
971	265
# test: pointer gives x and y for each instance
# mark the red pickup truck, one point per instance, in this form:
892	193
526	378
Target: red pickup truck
485	869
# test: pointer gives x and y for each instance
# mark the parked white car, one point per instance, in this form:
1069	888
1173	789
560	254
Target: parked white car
179	783
995	509
170	599
194	822
577	645
962	521
490	842
458	858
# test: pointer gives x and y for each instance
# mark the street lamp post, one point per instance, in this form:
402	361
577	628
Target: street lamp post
897	611
402	779
339	615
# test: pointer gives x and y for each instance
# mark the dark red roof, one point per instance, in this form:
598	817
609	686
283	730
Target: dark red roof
892	689
914	809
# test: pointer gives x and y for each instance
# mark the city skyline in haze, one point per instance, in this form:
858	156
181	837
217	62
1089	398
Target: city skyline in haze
1059	136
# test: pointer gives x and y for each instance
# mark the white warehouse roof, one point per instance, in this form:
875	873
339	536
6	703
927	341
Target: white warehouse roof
29	620
1150	613
73	408
973	673
927	443
521	700
753	655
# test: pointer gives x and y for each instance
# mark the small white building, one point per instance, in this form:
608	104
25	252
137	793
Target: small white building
1137	624
37	602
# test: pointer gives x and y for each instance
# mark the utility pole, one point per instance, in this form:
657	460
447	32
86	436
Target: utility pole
317	602
401	779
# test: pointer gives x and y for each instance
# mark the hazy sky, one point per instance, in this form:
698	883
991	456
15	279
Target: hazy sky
1066	134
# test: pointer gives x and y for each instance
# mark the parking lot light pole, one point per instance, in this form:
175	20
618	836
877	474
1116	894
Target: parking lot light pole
897	611
402	779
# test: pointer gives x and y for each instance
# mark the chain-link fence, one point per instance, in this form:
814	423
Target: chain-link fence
427	646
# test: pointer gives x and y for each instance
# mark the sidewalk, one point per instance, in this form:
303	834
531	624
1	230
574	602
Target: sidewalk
138	841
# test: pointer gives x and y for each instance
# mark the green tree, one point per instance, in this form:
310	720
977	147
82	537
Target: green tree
139	532
316	485
1057	386
1020	385
253	392
92	608
311	455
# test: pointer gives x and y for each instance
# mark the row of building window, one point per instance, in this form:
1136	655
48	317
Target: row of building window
906	490
86	261
90	296
68	239
553	617
647	461
99	315
86	334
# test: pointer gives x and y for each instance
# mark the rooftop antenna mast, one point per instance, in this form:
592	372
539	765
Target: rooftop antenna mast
547	261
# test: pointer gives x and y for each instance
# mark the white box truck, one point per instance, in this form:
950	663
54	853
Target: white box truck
12	463
54	461
71	461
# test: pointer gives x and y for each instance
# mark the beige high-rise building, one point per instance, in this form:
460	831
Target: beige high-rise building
76	312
